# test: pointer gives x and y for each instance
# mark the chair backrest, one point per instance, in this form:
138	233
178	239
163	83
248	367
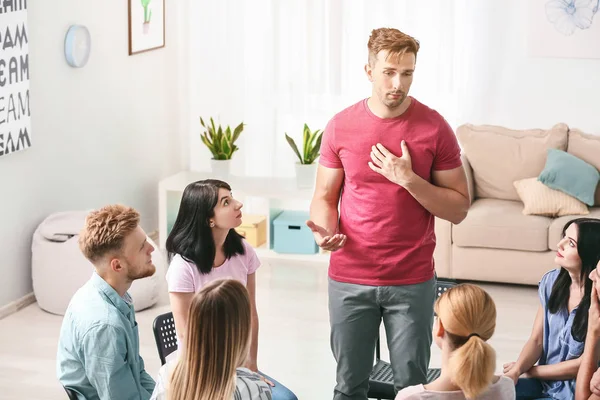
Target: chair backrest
165	335
71	393
442	286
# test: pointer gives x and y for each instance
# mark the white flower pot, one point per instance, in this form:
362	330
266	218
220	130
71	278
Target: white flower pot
220	168
306	175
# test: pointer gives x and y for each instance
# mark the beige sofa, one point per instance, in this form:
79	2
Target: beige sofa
497	242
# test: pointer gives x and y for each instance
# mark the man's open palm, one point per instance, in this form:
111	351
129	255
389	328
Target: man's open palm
324	239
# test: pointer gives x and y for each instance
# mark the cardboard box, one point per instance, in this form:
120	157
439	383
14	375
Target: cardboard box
254	229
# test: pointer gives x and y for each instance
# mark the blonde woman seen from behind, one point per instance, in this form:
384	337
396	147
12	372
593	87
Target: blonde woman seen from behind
217	344
466	320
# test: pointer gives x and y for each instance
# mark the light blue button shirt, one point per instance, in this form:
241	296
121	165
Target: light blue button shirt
559	345
98	350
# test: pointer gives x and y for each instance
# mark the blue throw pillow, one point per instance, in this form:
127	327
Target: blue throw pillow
571	175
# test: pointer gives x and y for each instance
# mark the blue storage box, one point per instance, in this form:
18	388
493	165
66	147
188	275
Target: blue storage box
291	235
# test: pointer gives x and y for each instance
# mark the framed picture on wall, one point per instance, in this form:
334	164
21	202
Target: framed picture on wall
146	25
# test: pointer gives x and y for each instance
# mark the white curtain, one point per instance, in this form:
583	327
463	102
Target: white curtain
277	64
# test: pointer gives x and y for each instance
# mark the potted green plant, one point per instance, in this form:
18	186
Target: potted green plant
221	143
306	167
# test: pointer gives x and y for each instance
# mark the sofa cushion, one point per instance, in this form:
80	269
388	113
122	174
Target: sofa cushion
500	224
586	147
539	199
500	156
494	265
556	227
571	175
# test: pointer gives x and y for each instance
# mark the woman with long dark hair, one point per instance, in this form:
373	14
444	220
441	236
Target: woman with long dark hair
203	246
560	327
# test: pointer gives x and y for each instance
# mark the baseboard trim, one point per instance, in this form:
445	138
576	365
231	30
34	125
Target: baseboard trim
16	305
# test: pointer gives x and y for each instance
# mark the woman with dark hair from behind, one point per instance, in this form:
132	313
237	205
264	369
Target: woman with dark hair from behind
210	366
466	320
203	246
561	324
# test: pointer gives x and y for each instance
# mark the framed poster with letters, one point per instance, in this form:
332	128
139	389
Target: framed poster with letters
15	117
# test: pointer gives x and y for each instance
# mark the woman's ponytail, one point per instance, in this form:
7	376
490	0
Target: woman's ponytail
473	365
468	315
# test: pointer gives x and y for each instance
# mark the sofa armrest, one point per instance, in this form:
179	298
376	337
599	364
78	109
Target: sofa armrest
469	173
442	254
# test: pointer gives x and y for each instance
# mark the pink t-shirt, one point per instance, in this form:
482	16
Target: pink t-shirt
390	236
183	276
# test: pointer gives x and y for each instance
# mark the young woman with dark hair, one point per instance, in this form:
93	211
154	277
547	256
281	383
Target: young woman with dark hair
560	327
203	246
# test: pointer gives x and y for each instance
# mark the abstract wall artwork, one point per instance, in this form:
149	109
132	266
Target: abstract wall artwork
564	28
146	25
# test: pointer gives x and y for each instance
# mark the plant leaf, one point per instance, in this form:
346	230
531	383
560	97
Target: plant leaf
208	144
237	131
207	129
293	146
212	136
206	141
212	123
228	134
226	147
217	139
313	138
316	149
205	137
211	131
305	142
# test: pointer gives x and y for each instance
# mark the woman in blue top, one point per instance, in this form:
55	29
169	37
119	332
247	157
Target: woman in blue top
560	326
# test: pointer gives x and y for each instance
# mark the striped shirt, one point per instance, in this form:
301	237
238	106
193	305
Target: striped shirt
248	385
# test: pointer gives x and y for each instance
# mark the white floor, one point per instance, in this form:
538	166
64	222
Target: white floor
294	335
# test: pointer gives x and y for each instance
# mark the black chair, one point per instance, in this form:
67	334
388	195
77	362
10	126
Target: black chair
71	393
381	380
165	335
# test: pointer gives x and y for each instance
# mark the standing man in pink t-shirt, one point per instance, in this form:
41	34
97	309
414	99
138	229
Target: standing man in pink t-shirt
392	164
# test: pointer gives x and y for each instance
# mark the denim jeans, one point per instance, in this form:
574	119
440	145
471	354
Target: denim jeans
530	389
279	391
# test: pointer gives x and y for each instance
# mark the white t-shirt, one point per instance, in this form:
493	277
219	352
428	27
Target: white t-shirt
503	389
183	276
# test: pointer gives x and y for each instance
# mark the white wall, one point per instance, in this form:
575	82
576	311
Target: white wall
102	134
501	84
